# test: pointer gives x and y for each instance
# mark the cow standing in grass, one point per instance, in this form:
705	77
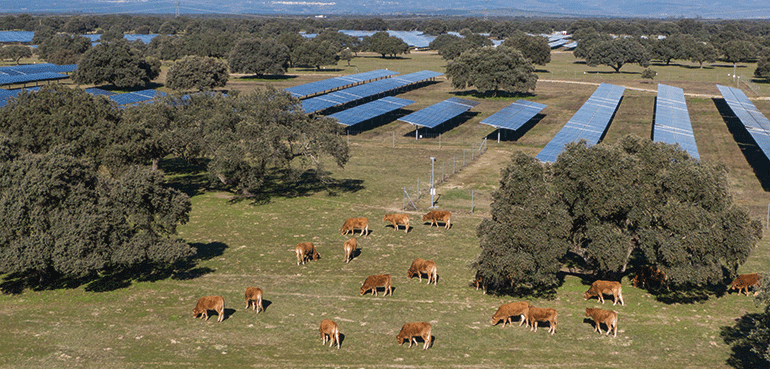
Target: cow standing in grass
415	329
536	314
422	266
350	247
331	330
254	298
306	251
601	288
744	281
606	317
435	216
206	303
397	219
351	224
506	311
377	280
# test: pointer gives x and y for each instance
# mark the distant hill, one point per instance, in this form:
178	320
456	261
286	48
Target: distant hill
709	9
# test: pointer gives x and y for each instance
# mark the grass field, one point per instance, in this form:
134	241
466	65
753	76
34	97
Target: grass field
148	323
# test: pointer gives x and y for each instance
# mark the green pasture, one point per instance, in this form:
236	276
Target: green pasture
148	322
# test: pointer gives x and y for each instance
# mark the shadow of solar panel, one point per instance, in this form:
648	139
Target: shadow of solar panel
370	110
514	116
438	113
672	121
366	90
755	122
589	122
337	82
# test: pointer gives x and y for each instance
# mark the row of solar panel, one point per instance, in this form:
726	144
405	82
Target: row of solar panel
672	121
589	122
330	84
755	122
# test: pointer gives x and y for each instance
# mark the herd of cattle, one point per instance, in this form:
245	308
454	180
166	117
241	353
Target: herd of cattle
527	314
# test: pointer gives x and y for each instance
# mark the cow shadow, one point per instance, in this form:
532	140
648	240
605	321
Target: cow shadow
228	313
399	229
742	356
266	304
381	290
342	339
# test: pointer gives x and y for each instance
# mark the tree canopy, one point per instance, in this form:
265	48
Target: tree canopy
616	53
259	56
604	203
116	63
313	53
15	52
535	48
489	69
384	44
197	72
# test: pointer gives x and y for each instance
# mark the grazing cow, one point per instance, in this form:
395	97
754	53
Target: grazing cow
607	317
306	251
332	330
410	331
374	281
649	276
435	216
422	266
536	314
355	223
601	288
744	281
254	298
206	303
397	219
480	282
506	311
350	247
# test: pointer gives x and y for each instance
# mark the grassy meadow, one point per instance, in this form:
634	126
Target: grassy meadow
148	322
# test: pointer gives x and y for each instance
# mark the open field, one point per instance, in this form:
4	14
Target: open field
240	244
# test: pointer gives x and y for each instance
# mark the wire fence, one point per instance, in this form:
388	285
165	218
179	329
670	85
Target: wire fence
441	171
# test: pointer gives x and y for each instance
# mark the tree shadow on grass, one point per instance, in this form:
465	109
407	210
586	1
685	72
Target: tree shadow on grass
293	183
742	356
16	283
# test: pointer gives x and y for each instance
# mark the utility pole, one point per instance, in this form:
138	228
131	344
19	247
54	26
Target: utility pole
432	189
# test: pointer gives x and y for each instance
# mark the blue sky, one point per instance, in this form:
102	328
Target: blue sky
709	9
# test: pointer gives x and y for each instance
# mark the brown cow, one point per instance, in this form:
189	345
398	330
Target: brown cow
601	288
352	224
608	317
350	247
306	251
206	303
332	330
509	310
649	277
480	282
397	219
422	266
374	281
410	331
744	281
435	216
536	314
254	298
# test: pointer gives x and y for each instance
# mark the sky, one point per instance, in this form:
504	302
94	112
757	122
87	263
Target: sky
707	9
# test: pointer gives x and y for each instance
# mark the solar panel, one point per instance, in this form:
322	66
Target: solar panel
330	84
514	116
755	122
135	97
16	36
370	110
672	121
25	78
37	68
366	90
7	94
436	114
589	122
98	91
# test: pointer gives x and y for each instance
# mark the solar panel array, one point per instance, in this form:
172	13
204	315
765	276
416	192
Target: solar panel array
37	68
330	84
98	91
514	116
370	110
7	94
755	122
589	122
135	97
672	121
436	114
366	90
26	78
16	36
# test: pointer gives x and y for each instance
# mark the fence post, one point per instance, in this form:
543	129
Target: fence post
472	207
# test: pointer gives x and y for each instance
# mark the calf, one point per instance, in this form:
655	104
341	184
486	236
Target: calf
206	303
536	314
744	281
397	219
509	310
479	282
422	266
350	247
306	251
352	224
601	288
374	281
435	216
332	330
415	329
607	317
254	298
